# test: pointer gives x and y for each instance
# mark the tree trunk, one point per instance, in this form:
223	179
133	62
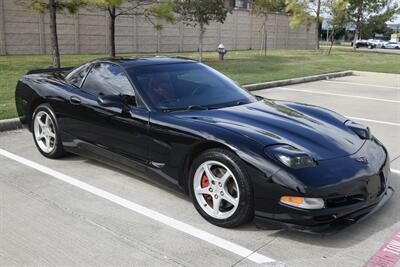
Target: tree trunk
111	12
332	38
201	37
317	20
55	53
355	39
358	26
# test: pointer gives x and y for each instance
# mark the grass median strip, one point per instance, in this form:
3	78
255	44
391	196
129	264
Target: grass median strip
246	67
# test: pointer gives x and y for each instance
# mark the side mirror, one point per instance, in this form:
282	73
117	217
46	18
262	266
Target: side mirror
112	101
259	98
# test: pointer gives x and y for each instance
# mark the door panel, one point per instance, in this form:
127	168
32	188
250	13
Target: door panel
88	125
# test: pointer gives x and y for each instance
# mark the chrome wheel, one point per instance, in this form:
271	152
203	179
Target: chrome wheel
216	189
44	132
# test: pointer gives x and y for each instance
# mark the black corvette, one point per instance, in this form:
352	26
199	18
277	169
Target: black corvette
238	156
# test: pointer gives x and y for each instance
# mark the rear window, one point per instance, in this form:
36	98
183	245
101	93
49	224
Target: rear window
77	75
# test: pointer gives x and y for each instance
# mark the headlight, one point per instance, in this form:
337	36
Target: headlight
361	130
290	156
303	202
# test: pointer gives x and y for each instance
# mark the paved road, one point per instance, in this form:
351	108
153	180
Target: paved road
45	220
380	50
365	49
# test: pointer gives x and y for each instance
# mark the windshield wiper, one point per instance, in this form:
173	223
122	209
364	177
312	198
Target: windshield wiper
230	104
239	103
196	107
192	107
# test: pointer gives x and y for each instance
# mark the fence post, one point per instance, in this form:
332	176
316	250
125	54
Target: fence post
251	31
236	28
3	48
219	33
136	39
276	32
76	33
287	32
42	38
133	34
181	36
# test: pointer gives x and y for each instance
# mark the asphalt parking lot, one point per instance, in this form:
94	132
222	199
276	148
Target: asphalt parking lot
76	212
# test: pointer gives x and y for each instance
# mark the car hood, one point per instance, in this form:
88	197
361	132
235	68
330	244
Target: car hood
320	132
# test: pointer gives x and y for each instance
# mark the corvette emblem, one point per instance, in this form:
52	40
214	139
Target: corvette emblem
363	160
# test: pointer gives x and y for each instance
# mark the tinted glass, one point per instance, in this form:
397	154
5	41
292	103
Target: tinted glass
188	85
108	79
77	75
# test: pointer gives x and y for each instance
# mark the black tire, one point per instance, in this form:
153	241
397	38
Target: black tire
245	209
58	151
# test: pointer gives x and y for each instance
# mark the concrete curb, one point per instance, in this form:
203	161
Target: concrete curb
267	85
10	124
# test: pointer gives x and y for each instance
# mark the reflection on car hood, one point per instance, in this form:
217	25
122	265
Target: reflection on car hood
318	131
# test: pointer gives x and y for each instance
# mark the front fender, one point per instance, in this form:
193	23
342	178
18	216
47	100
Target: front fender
174	140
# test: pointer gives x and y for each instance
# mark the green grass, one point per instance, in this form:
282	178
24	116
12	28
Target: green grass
245	67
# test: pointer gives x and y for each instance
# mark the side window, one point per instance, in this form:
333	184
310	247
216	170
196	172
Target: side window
108	79
76	76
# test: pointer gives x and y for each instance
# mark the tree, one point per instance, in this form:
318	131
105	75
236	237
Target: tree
152	10
159	13
337	11
305	12
52	7
201	13
377	25
263	8
362	11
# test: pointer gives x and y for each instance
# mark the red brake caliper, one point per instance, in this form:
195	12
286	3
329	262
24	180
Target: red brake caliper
204	183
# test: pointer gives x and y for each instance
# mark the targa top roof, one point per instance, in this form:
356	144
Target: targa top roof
128	62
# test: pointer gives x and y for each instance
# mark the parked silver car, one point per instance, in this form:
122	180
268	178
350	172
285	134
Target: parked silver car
391	45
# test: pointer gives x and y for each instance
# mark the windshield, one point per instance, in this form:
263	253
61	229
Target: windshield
187	86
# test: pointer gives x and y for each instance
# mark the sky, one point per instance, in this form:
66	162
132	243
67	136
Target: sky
396	21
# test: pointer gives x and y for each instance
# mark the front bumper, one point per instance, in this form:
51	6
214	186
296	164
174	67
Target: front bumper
352	191
348	217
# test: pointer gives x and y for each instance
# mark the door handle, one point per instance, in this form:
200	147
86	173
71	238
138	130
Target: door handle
74	100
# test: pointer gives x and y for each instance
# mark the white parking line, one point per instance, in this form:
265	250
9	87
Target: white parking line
178	225
364	84
375	121
341	95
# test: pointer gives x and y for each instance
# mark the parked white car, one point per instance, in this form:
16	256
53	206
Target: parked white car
392	45
377	42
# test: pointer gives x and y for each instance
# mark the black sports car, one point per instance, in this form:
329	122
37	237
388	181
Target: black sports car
238	156
364	43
